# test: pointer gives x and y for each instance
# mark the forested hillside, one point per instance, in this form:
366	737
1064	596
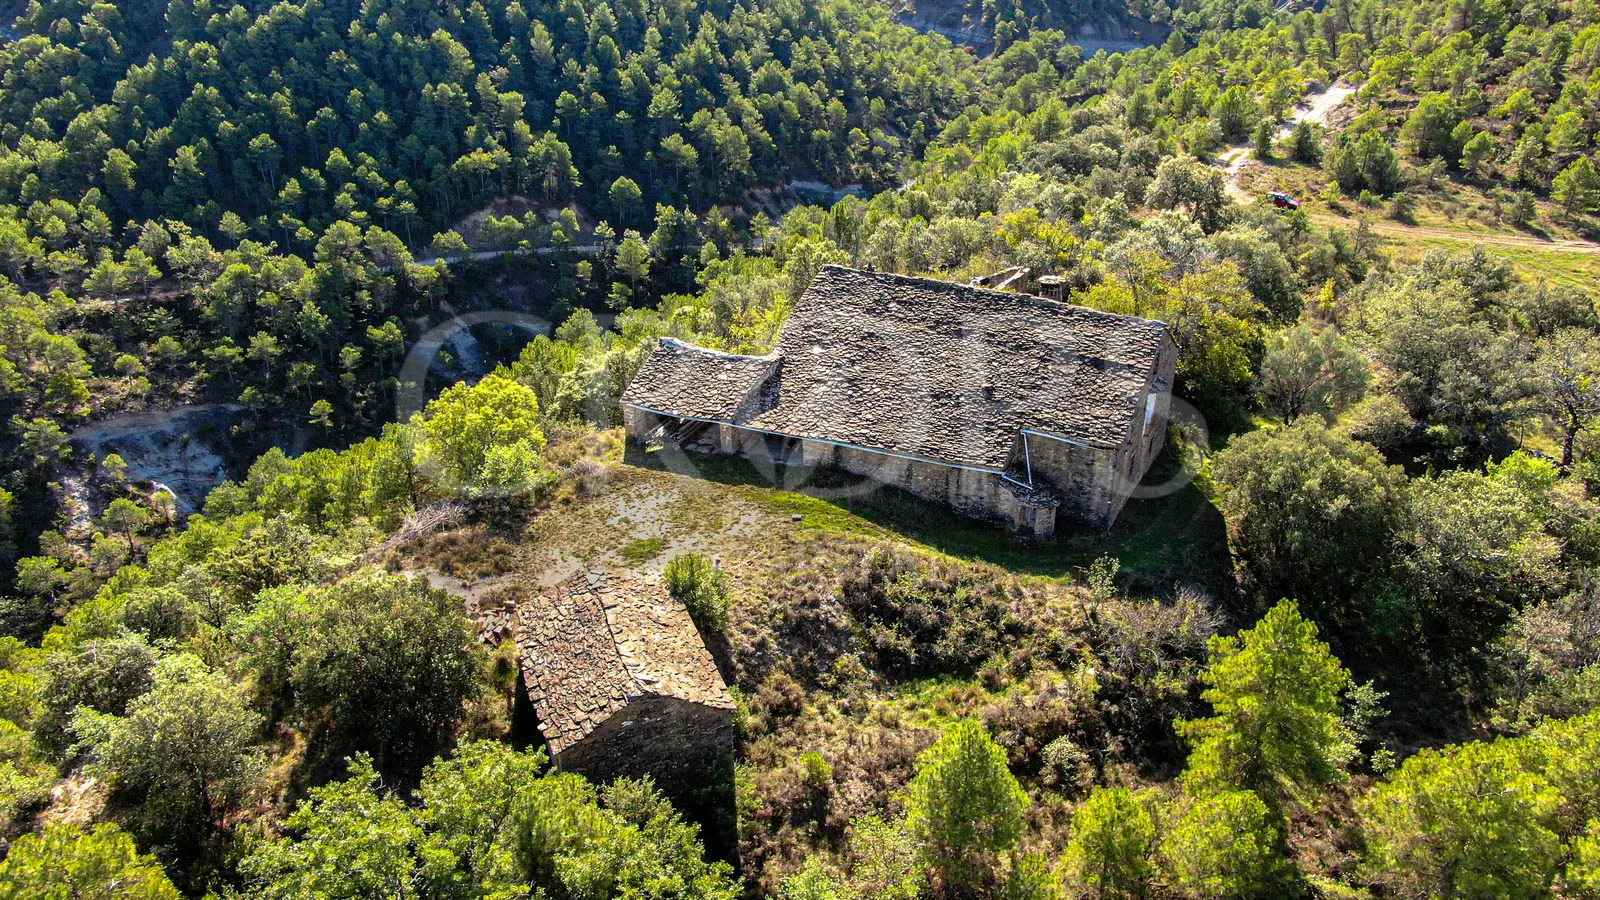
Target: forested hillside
296	117
230	206
1357	655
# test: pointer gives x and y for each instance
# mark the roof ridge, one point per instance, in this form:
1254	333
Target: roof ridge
956	287
598	582
678	343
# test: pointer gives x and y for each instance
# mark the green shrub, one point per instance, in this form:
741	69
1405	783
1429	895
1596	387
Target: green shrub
66	861
702	588
813	882
642	549
818	773
921	615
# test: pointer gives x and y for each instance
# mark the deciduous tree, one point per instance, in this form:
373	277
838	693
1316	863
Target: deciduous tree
1569	365
467	423
383	662
67	862
1187	184
1311	514
103	674
184	753
1305	371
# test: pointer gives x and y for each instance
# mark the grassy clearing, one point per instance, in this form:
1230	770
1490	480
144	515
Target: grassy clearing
640	515
939	700
1450	201
1158	541
1577	270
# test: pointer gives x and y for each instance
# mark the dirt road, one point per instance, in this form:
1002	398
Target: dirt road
1316	110
1528	242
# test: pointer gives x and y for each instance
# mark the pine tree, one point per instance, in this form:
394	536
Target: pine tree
1578	186
1226	845
1112	849
1275	692
1261	139
964	806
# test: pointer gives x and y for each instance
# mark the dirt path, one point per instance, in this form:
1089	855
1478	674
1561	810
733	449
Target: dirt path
1318	107
1477	237
1316	110
484	255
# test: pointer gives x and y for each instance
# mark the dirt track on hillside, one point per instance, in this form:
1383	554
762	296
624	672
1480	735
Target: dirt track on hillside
1316	110
1473	237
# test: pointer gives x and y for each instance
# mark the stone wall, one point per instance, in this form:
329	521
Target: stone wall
670	740
1083	477
1086	477
638	423
982	495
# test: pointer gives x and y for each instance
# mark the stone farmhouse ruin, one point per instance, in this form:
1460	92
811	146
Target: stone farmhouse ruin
620	681
1003	406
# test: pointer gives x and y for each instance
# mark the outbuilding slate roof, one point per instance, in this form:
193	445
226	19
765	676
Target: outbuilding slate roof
931	369
600	640
700	383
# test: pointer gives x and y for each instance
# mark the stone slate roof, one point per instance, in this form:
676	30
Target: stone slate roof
600	640
940	371
697	383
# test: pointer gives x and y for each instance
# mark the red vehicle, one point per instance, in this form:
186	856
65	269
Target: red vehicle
1280	200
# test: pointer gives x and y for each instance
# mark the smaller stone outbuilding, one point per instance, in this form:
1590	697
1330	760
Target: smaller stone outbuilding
621	682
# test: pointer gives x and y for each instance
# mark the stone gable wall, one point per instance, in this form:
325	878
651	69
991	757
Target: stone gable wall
1145	443
670	740
1096	482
